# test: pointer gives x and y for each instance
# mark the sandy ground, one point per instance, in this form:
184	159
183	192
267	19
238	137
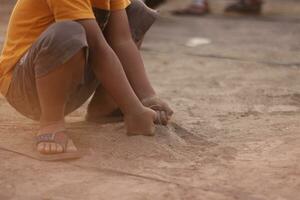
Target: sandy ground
238	99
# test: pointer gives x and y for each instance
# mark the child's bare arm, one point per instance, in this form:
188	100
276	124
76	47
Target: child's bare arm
119	38
108	68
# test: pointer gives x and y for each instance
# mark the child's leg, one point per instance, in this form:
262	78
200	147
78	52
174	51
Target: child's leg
53	91
45	79
102	107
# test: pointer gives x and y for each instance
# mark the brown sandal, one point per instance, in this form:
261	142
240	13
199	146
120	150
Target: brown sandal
57	138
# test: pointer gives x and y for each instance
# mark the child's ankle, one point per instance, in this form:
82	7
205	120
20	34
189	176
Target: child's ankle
51	126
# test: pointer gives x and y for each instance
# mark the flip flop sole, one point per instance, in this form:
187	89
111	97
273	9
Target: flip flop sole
51	157
59	157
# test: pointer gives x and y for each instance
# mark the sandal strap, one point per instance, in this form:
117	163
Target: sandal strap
56	137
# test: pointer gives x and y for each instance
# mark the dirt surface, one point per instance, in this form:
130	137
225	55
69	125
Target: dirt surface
237	101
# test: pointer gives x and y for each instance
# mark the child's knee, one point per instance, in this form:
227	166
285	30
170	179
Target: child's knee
60	43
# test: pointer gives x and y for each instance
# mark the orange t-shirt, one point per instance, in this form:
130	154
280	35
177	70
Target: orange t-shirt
31	17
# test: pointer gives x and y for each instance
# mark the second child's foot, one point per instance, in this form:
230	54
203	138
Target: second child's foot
246	7
193	9
141	123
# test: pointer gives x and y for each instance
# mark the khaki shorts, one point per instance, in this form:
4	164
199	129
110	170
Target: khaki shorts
56	45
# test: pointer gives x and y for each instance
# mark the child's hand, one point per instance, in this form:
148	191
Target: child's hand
163	110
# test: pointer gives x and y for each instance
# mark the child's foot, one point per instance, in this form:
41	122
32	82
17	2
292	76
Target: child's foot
102	109
141	123
249	7
193	9
53	140
114	116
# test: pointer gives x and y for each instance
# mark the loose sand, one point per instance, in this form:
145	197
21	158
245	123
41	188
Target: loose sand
237	99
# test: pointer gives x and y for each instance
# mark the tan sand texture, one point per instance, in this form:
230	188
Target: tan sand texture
237	103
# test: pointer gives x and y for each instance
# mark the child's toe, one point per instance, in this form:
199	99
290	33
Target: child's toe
47	148
41	147
59	148
71	146
53	147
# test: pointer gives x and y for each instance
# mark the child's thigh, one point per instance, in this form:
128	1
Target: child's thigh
22	93
53	48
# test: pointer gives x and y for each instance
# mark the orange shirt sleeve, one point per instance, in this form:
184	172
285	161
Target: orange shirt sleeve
119	4
111	4
71	9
